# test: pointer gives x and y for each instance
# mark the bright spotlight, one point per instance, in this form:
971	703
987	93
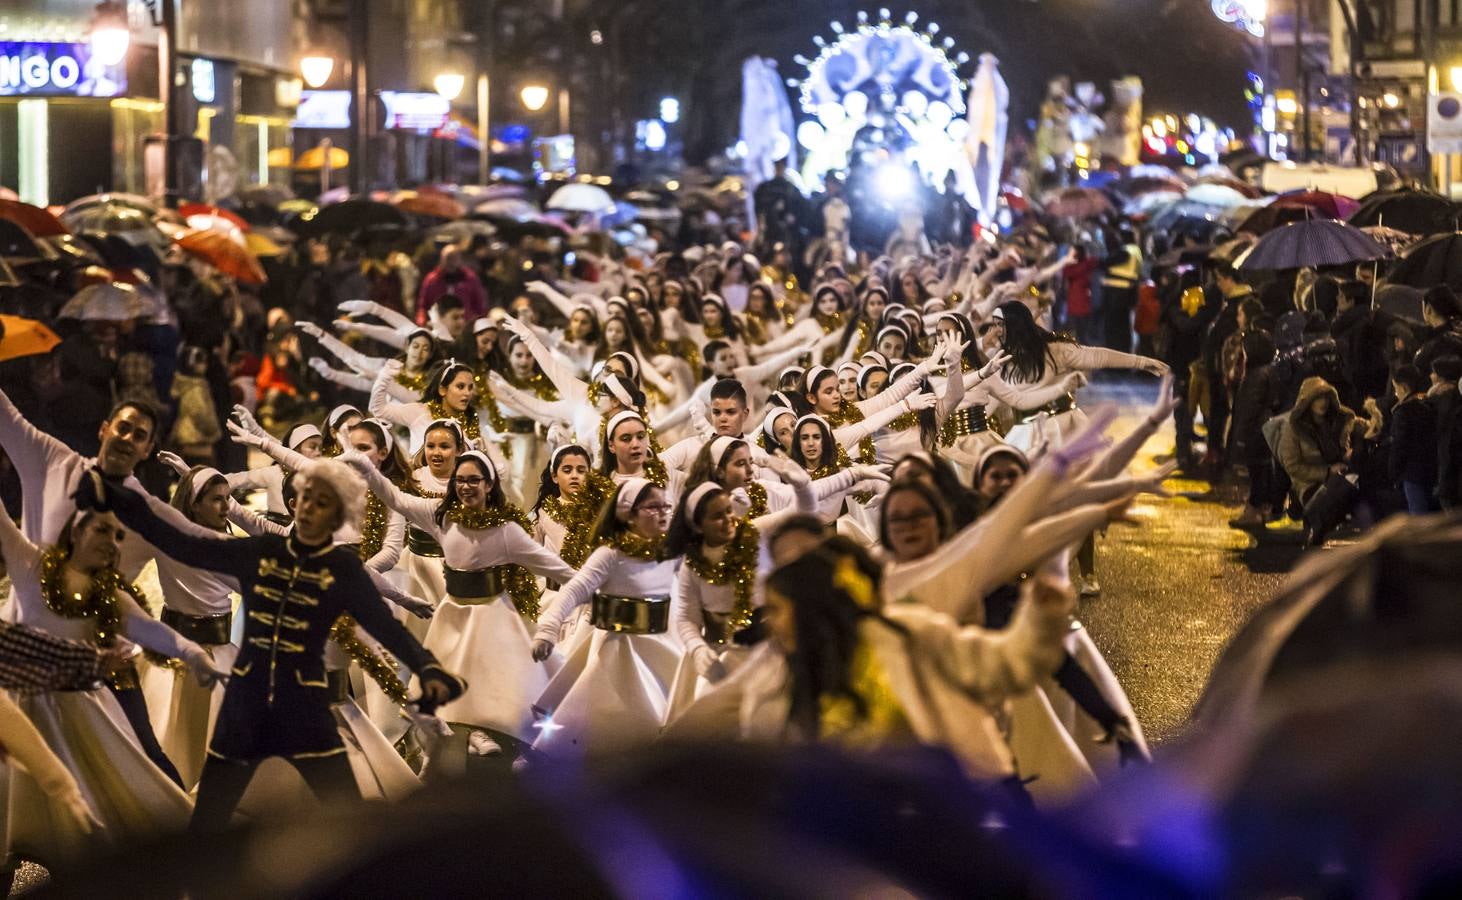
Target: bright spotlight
810	134
670	110
895	184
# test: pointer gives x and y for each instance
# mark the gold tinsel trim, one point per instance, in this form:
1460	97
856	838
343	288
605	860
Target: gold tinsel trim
521	586
758	493
577	518
737	567
469	422
637	546
370	662
414	383
904	422
655	471
99	602
373	526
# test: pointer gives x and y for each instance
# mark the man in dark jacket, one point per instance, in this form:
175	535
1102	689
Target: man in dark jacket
1255	402
1185	316
1447	403
1413	459
1231	291
1360	336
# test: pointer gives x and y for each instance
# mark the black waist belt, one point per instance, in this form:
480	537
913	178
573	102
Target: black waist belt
207	630
337	681
520	426
475	584
279	518
1060	405
422	544
630	615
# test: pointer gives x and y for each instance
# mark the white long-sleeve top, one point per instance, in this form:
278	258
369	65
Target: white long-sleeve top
607	571
470	549
696	596
1062	359
49	474
23	559
270	478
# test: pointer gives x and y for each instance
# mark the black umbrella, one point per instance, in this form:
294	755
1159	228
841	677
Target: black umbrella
1389	596
17	244
1418	212
350	216
1436	260
1317	243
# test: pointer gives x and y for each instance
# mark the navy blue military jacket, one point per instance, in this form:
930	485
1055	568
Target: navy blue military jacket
277	702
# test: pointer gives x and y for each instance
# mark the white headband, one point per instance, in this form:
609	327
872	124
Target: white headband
299	434
385	429
769	425
481	459
629	494
623	415
849	365
617	388
891	329
561	452
201	479
815	373
719	448
338	413
634	364
451	425
694	499
811	417
483	324
797	370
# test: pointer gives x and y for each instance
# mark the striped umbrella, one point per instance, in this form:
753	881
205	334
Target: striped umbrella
1318	242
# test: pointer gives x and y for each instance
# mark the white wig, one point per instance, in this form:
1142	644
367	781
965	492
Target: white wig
348	486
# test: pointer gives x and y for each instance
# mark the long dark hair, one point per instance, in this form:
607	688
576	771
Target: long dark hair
432	357
703	468
827	618
1027	343
684	533
928	418
438	377
607	524
829	445
801	405
972	355
395	466
494	493
547	487
729	326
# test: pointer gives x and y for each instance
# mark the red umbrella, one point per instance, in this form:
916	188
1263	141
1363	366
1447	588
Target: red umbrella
1328	205
39	222
219	251
428	203
1078	203
189	210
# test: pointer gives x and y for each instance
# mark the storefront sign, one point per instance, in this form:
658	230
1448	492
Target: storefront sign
47	69
415	111
323	109
1444	123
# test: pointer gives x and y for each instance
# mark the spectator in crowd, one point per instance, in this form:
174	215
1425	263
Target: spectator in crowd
1447	402
1413	456
451	277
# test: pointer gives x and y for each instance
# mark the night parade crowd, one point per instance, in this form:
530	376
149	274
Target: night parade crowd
755	480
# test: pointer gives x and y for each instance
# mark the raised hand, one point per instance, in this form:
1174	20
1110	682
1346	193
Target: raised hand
247	420
1088	443
173	461
998	359
1166	401
242	435
920	400
354	307
870	473
320	367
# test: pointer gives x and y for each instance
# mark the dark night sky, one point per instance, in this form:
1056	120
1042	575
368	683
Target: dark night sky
1188	60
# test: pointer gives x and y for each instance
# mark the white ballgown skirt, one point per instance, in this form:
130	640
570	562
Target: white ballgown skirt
689	685
488	644
183	717
1057	430
611	692
90	734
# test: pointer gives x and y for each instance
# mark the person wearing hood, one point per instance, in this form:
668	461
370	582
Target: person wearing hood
1315	447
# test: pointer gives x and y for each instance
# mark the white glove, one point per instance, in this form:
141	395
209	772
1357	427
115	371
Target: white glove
243	436
355	307
173	461
997	360
204	670
740	502
920	400
310	328
708	665
870	473
391	367
1073	381
247	420
1153	366
422	609
356	460
343	325
559	435
321	367
699	421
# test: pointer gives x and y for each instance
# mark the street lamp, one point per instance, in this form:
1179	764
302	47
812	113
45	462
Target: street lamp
534	96
449	85
110	32
316	69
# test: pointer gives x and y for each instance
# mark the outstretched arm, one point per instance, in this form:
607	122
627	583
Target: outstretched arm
574	594
526	403
570	387
352	380
390	316
850	434
227	556
419	511
383	333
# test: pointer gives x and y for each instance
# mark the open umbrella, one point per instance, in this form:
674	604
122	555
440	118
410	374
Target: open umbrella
24	337
107	301
1147	184
515	208
204	211
430	204
221	252
1267	218
313	159
349	216
1394	238
1219	195
464	230
114	218
577	197
1435	260
264	194
261	245
1401	301
1225	180
39	222
1417	212
1318	242
19	246
1078	203
136	201
1327	204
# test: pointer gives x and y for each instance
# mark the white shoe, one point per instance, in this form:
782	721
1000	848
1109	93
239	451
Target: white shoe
1088	586
480	743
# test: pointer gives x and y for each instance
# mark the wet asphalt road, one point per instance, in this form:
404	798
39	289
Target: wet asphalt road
1177	587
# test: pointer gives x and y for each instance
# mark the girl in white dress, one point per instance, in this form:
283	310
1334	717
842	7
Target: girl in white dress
719	585
479	629
73	590
618	696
